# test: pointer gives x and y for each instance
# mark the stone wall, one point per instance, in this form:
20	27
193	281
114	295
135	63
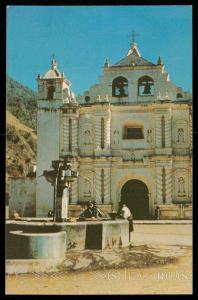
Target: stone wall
22	197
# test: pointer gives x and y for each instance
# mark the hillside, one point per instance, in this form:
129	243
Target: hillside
21	102
20	123
20	146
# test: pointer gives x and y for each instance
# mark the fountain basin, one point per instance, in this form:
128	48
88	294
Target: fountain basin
97	234
26	245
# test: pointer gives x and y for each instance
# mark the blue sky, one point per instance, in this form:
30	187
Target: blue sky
82	37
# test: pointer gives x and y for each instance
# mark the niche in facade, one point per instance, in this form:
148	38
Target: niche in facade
145	86
86	185
180	131
180	135
120	87
181	185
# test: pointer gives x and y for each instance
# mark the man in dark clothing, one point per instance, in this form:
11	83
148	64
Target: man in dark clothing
89	211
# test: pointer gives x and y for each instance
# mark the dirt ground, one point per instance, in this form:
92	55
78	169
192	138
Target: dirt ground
172	278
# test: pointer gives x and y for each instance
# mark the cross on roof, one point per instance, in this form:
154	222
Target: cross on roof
133	35
53	56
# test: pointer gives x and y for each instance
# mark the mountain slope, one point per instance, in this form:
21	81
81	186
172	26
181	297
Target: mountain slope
20	146
21	102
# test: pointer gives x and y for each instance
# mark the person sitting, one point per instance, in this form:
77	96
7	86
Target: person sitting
89	211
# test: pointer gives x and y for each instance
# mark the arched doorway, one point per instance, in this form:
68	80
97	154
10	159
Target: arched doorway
135	194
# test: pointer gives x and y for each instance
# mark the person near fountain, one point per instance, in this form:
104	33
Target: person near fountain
125	213
89	212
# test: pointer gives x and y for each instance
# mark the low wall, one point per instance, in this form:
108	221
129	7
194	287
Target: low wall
175	212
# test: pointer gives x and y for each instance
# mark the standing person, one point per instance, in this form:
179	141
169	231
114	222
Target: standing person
157	213
126	214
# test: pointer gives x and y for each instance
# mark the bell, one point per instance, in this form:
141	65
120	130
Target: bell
147	89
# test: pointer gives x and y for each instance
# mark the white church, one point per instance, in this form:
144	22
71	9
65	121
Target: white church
129	136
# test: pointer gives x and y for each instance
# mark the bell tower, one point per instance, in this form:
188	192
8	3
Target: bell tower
54	92
53	86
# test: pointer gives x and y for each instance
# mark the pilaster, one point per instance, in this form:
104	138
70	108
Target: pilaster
97	127
168	185
107	187
159	173
167	131
98	185
74	192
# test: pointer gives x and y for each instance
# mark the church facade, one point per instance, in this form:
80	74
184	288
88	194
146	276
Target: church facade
129	136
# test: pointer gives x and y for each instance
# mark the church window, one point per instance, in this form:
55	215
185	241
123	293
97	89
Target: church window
133	132
50	92
120	87
102	185
163	131
179	95
102	133
145	86
70	134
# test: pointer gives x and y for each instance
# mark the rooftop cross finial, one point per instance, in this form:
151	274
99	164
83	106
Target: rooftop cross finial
133	50
133	36
53	62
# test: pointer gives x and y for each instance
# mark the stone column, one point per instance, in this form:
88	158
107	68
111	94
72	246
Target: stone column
65	133
107	188
168	185
167	131
159	186
158	131
107	132
74	135
98	185
97	128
